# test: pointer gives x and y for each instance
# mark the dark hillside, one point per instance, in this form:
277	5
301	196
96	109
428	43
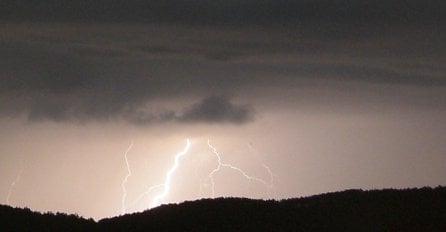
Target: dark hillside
17	219
352	210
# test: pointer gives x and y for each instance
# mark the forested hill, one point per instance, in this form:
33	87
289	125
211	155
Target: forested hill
352	210
18	219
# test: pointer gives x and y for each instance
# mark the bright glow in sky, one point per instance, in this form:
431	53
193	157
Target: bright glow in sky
80	169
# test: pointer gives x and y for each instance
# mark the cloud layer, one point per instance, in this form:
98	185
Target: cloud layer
106	60
228	12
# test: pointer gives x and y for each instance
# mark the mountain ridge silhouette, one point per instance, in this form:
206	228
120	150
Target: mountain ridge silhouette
422	209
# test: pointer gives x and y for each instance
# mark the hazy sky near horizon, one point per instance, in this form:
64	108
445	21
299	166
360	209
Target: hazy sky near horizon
326	95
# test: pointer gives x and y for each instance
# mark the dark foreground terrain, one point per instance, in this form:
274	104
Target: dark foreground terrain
352	210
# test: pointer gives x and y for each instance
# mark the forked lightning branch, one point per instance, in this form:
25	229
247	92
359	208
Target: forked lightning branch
166	186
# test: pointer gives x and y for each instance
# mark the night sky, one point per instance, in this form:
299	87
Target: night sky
304	97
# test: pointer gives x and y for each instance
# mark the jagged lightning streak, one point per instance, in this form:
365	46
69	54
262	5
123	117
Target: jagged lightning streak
13	183
158	198
147	192
221	164
271	179
124	182
211	175
268	169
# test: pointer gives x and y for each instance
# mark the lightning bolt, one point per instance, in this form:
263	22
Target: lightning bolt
226	165
271	179
13	183
160	197
147	192
124	181
219	164
268	169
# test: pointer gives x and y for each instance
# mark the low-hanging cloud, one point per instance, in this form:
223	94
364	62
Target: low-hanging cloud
216	109
212	109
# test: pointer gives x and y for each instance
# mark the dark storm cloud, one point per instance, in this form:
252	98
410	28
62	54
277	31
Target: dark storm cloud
88	73
226	12
214	109
311	19
105	60
217	109
47	83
